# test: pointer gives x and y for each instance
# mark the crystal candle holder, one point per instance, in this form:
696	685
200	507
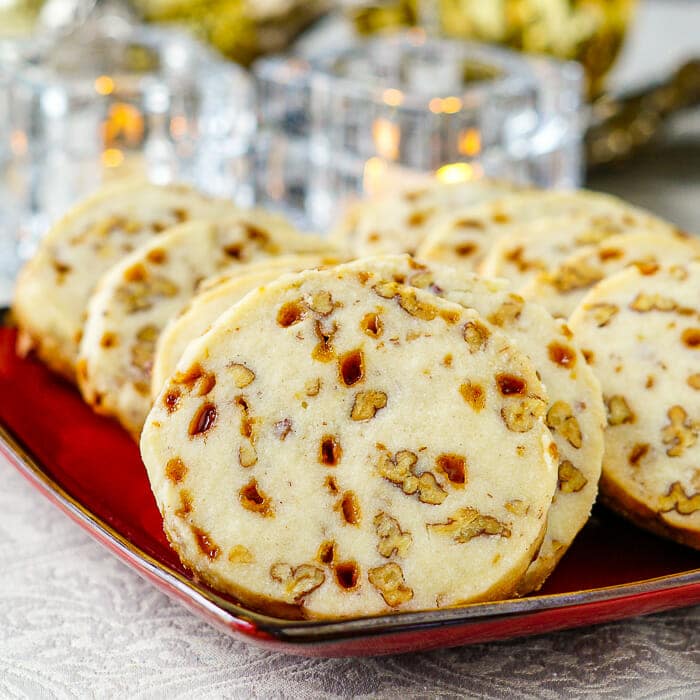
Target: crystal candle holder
109	101
396	107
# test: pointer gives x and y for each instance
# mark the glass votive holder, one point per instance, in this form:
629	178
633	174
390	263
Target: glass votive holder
385	110
114	100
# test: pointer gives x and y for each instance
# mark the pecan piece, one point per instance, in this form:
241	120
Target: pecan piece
392	539
298	582
571	478
680	433
619	411
366	404
520	415
468	523
677	499
652	302
476	335
242	375
389	581
560	418
603	313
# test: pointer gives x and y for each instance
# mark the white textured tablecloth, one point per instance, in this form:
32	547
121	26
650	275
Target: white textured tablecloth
75	622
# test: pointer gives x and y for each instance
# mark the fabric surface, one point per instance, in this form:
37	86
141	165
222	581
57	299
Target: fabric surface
75	622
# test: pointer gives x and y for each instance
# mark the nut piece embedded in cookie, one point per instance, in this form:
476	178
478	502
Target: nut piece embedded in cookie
389	581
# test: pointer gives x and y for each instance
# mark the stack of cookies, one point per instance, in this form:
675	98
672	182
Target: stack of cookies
335	428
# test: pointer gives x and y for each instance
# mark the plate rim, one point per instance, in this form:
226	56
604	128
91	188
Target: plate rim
254	624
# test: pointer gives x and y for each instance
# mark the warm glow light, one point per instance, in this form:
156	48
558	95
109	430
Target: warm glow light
387	137
178	126
435	105
456	172
469	142
373	175
393	97
104	85
112	157
124	121
18	142
451	105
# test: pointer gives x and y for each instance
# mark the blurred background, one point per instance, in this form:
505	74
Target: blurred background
304	106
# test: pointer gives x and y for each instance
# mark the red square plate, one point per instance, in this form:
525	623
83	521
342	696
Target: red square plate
91	469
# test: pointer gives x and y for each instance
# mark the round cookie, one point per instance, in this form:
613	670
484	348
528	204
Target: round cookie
538	247
641	334
140	294
397	222
561	289
214	296
575	413
54	287
464	239
333	470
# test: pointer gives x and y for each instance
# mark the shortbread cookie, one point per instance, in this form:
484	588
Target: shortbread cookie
575	414
214	296
542	245
345	466
561	289
464	239
640	330
138	296
398	222
54	287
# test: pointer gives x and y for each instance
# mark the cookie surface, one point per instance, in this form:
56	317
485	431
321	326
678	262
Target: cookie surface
562	288
54	287
641	333
138	296
540	246
332	471
465	238
575	413
398	222
214	296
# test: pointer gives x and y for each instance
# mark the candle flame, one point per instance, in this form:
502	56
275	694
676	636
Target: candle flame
469	142
458	172
387	137
104	85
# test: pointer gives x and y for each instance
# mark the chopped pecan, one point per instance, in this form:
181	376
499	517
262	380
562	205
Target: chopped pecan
242	375
508	312
468	523
619	411
476	335
561	419
322	303
389	581
299	581
392	539
603	313
571	479
652	302
366	404
520	415
677	499
680	433
240	555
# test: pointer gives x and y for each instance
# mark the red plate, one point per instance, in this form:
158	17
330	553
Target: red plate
91	469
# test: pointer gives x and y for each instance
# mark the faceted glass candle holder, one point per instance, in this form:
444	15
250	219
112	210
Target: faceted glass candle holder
381	111
110	101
